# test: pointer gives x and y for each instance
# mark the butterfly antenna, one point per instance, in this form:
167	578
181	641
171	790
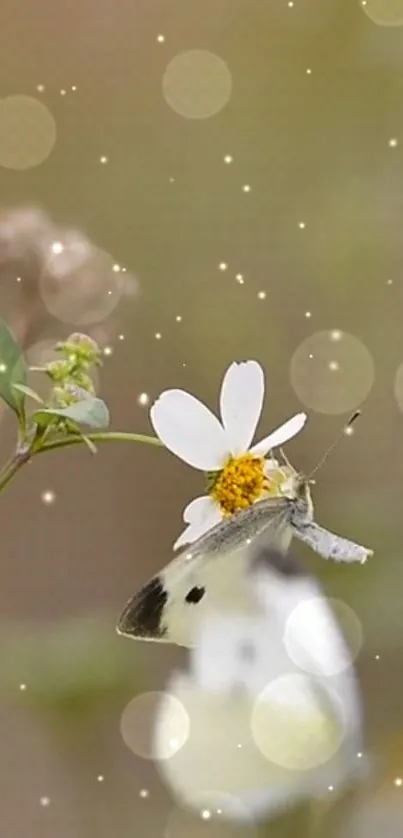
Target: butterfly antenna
335	443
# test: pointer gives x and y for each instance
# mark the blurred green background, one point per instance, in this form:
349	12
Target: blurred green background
256	202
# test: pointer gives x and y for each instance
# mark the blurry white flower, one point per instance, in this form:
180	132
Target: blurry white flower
264	732
240	474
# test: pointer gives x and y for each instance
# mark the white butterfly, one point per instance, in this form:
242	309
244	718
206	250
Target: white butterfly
210	573
266	730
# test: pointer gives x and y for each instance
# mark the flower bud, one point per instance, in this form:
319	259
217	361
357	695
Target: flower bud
83	349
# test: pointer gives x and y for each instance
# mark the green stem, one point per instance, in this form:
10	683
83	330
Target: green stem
98	436
9	470
16	462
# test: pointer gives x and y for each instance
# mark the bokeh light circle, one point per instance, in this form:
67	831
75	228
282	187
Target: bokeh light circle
197	84
384	12
332	372
291	728
398	387
211	816
80	284
302	633
27	132
137	725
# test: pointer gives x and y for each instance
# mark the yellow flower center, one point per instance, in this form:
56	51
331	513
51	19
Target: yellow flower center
243	481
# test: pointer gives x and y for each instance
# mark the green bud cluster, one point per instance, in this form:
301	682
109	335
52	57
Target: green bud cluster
70	375
80	349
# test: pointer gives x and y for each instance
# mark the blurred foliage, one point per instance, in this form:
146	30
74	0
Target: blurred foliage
72	669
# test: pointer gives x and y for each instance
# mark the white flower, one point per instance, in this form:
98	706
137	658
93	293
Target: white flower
242	475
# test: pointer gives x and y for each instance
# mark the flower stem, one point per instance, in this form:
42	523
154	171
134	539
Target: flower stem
17	460
98	436
10	469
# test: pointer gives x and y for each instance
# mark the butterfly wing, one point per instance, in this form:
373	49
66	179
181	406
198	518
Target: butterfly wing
265	729
207	575
331	546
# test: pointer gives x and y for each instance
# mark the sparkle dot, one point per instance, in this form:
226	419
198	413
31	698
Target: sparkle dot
144	793
206	814
104	159
48	497
262	295
239	278
121	337
308	314
393	142
309	71
116	268
62	92
143	399
18	279
228	158
100	778
389	282
246	187
73	87
172	180
158	335
336	335
330	788
398	781
40	88
349	430
57	247
290	4
45	801
178	318
334	366
301	225
23	687
223	266
160	39
377	657
108	350
3	367
359	755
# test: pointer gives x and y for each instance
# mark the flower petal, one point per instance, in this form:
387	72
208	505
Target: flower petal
207	517
195	510
189	429
241	402
281	435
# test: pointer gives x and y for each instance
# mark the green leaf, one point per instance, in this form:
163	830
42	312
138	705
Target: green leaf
27	391
13	370
92	412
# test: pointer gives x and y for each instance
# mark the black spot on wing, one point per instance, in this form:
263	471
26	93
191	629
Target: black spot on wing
195	595
247	651
285	564
143	615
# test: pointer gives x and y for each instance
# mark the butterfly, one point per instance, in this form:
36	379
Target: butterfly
271	698
210	572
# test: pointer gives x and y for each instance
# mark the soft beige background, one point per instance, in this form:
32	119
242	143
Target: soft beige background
316	149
